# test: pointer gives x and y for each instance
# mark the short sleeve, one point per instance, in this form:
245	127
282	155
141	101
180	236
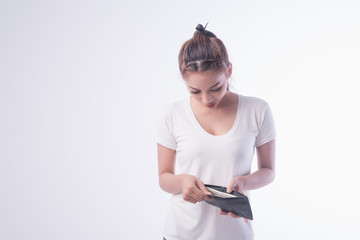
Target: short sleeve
266	127
165	133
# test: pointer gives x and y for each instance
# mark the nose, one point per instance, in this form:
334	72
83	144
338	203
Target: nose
207	98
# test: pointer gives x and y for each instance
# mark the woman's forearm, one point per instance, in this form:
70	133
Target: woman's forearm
170	183
266	168
257	179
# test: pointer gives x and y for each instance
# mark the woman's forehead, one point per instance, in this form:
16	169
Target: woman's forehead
204	79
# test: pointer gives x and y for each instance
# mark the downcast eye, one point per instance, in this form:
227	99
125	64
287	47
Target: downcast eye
215	90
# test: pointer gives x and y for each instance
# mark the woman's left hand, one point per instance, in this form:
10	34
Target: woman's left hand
237	184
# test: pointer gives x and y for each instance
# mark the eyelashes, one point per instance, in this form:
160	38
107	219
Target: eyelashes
214	90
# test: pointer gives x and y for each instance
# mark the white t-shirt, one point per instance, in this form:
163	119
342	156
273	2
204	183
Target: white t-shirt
214	160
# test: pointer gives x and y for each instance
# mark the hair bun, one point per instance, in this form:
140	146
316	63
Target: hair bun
200	27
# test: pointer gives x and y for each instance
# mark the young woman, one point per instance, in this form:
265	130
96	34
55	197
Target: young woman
212	135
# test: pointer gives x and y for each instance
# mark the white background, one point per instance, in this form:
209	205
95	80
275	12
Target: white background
82	82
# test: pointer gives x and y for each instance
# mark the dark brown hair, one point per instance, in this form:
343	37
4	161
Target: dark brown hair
204	51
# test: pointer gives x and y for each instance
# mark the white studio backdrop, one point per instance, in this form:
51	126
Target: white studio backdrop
82	83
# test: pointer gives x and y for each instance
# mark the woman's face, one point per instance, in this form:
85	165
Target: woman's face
209	87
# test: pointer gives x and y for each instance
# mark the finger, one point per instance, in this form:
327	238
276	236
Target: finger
224	213
192	194
238	188
202	187
246	220
234	215
202	191
189	198
197	195
230	187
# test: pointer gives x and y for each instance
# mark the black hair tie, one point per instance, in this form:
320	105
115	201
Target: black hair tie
202	30
200	27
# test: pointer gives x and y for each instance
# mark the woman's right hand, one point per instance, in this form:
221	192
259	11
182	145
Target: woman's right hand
193	189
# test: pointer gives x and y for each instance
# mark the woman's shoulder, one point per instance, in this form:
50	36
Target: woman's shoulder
256	101
175	106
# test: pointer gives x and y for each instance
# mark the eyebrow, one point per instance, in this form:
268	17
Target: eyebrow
209	88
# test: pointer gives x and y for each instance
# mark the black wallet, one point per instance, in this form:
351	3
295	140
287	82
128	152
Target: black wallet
238	204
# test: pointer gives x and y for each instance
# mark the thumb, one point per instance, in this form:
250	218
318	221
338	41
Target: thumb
231	185
202	187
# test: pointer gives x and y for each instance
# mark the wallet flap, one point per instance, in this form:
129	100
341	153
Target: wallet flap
238	205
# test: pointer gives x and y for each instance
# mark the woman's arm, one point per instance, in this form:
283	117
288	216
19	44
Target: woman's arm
193	189
265	173
166	167
262	177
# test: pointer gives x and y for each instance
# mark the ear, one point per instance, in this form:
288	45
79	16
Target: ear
229	70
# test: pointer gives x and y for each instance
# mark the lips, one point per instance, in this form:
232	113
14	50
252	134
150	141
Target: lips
210	105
